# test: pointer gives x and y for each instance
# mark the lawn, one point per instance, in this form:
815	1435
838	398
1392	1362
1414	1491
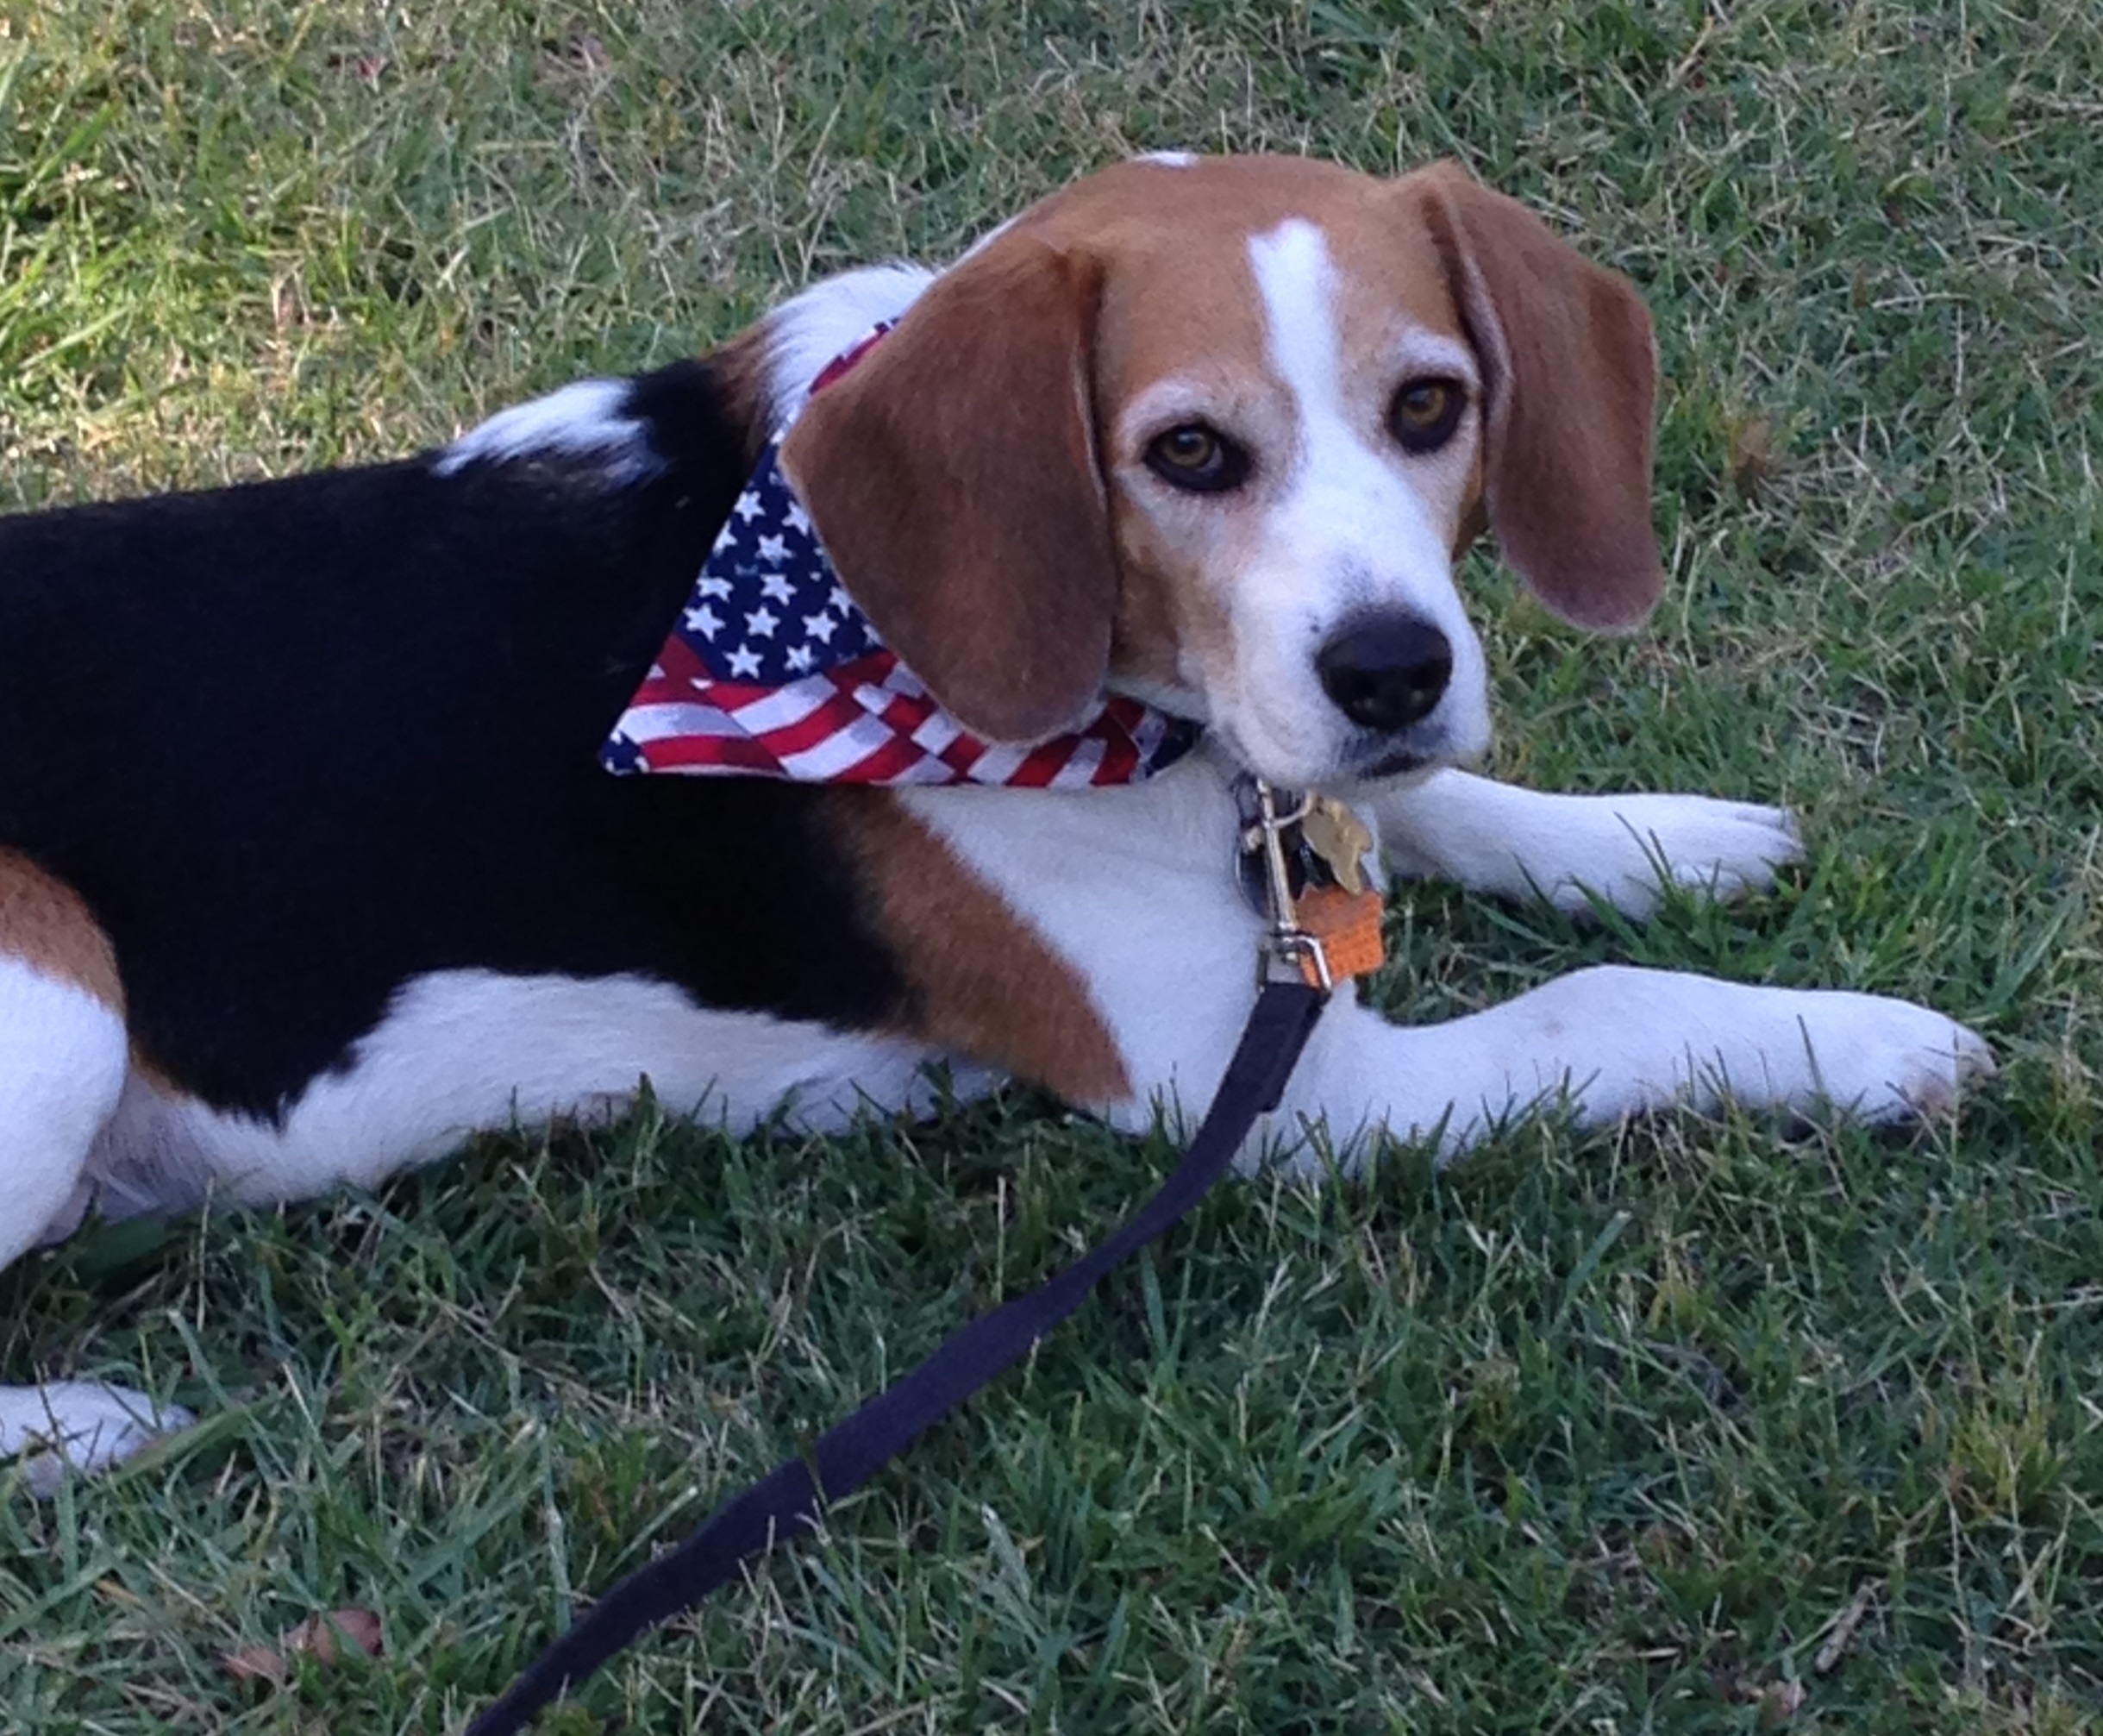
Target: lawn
1702	1425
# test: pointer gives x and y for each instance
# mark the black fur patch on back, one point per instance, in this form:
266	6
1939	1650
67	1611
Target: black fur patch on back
300	741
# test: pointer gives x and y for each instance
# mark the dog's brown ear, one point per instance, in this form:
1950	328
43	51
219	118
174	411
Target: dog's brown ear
1572	377
953	478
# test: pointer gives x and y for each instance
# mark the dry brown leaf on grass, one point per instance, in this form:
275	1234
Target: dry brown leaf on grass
318	1635
1779	1701
1753	460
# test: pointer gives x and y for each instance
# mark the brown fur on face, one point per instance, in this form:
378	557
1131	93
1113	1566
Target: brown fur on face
1565	347
1183	324
979	480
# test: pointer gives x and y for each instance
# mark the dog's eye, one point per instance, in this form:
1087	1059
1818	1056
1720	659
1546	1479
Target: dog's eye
1198	458
1426	412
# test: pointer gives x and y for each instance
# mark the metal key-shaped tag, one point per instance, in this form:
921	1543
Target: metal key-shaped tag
1341	839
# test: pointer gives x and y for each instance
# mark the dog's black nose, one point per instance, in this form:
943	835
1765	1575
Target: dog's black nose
1385	672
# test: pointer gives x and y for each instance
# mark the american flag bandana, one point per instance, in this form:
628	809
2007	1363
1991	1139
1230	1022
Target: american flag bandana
773	672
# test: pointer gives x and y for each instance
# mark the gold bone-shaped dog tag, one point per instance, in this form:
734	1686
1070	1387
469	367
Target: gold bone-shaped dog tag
1340	839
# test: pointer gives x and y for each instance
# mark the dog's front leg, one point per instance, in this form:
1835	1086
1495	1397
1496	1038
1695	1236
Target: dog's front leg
1512	843
1135	888
1614	1040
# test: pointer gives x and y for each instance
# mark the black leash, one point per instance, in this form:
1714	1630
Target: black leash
848	1454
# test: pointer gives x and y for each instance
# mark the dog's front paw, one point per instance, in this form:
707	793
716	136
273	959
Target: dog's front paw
1720	848
81	1425
1885	1061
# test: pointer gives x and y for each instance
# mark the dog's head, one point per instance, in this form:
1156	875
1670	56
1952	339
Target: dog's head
1215	434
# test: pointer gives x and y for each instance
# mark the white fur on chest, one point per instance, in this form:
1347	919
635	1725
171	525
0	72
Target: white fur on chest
1136	887
464	1051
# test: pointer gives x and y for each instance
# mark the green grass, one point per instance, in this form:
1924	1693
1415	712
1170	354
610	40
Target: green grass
1594	1434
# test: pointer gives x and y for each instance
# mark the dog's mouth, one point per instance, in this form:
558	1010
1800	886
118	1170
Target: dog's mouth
1375	759
1364	759
1378	763
1397	764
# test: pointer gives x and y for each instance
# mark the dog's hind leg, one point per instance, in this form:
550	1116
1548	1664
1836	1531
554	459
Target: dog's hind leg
64	1054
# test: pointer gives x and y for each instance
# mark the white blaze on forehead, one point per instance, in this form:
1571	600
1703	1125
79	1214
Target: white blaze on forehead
1294	277
1345	458
1297	282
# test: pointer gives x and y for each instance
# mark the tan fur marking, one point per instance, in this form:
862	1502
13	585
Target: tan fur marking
45	925
155	1078
741	367
987	985
1389	277
1193	314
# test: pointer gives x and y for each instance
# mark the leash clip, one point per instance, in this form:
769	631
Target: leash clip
1287	952
1303	865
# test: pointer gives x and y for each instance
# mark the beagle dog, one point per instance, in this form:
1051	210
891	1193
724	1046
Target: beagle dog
313	858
